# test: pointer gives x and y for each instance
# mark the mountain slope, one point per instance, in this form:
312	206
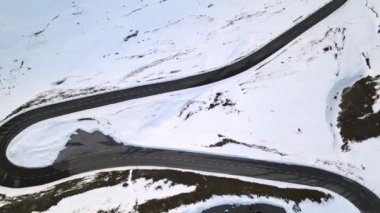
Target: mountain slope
285	109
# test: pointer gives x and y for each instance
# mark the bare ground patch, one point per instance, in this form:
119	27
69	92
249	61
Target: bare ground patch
357	120
206	187
218	100
226	141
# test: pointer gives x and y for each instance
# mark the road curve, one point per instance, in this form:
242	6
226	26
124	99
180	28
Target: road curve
16	177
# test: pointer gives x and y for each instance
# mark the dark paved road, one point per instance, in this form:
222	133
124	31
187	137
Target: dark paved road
255	208
15	176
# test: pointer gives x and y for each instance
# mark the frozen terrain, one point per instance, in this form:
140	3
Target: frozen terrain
283	110
134	189
75	48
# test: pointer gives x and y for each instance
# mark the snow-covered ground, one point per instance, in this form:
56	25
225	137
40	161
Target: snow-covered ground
53	51
285	111
125	197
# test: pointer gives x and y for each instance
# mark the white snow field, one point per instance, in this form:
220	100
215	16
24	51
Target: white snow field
284	110
58	50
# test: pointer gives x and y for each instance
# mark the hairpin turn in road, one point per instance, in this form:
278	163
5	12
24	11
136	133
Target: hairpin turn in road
15	176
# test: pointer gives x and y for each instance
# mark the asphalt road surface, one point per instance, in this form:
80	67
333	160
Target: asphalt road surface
14	176
256	208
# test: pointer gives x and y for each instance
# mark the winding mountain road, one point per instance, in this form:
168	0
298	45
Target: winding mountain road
15	176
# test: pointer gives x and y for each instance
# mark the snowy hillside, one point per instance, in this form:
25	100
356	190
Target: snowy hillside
290	108
77	48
